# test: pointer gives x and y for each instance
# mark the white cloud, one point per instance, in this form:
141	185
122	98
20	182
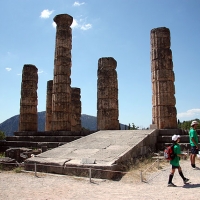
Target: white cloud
189	114
76	3
54	24
40	71
74	24
46	13
8	69
86	27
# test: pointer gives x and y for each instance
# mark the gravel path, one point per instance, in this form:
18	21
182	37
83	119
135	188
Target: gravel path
26	186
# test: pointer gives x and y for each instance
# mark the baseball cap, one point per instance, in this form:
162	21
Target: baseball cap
175	137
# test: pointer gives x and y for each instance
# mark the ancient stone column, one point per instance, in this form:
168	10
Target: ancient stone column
28	118
48	116
164	114
107	95
76	109
61	95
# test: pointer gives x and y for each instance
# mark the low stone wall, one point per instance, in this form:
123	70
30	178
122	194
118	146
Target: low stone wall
143	148
165	138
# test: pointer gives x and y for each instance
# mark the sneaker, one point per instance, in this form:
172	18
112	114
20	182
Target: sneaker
171	185
195	168
186	180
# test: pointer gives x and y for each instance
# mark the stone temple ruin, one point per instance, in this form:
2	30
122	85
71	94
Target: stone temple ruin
63	104
63	107
107	95
61	93
162	77
28	120
48	106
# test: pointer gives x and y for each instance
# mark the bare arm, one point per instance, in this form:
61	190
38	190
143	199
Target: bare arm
194	142
182	155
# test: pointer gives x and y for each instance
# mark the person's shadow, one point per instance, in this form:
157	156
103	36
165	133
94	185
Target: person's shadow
189	185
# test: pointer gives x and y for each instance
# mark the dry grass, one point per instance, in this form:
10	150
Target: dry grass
144	167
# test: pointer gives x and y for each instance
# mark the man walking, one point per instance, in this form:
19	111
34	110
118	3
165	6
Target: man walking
193	143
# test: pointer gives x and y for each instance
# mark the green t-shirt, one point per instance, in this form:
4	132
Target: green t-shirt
177	150
193	134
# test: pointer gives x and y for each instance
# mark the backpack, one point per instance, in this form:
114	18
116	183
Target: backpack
169	152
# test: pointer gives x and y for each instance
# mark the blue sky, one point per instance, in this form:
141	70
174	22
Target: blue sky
101	28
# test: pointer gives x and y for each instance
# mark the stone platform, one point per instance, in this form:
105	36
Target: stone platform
37	139
103	152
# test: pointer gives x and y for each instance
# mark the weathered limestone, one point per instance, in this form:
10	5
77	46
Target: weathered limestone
48	116
164	113
108	150
107	95
28	119
76	109
61	94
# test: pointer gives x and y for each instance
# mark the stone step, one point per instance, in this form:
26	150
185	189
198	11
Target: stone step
170	132
34	139
161	146
28	144
168	139
53	133
43	138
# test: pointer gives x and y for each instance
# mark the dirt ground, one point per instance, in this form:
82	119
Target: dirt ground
27	186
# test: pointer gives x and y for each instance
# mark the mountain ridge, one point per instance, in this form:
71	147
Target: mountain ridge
10	125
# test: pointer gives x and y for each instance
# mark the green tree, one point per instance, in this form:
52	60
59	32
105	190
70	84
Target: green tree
133	127
185	125
2	135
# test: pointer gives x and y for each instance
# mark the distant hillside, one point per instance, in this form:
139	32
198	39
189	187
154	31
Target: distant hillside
11	125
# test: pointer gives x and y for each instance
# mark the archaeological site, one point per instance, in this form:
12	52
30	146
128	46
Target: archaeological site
65	147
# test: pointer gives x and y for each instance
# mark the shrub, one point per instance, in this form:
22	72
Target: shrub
2	135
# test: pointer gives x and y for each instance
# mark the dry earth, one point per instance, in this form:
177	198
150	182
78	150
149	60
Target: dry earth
27	186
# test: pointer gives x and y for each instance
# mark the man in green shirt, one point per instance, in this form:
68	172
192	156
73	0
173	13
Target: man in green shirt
193	143
175	162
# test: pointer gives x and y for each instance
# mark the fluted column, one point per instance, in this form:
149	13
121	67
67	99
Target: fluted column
48	116
76	110
107	95
28	118
164	114
61	95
